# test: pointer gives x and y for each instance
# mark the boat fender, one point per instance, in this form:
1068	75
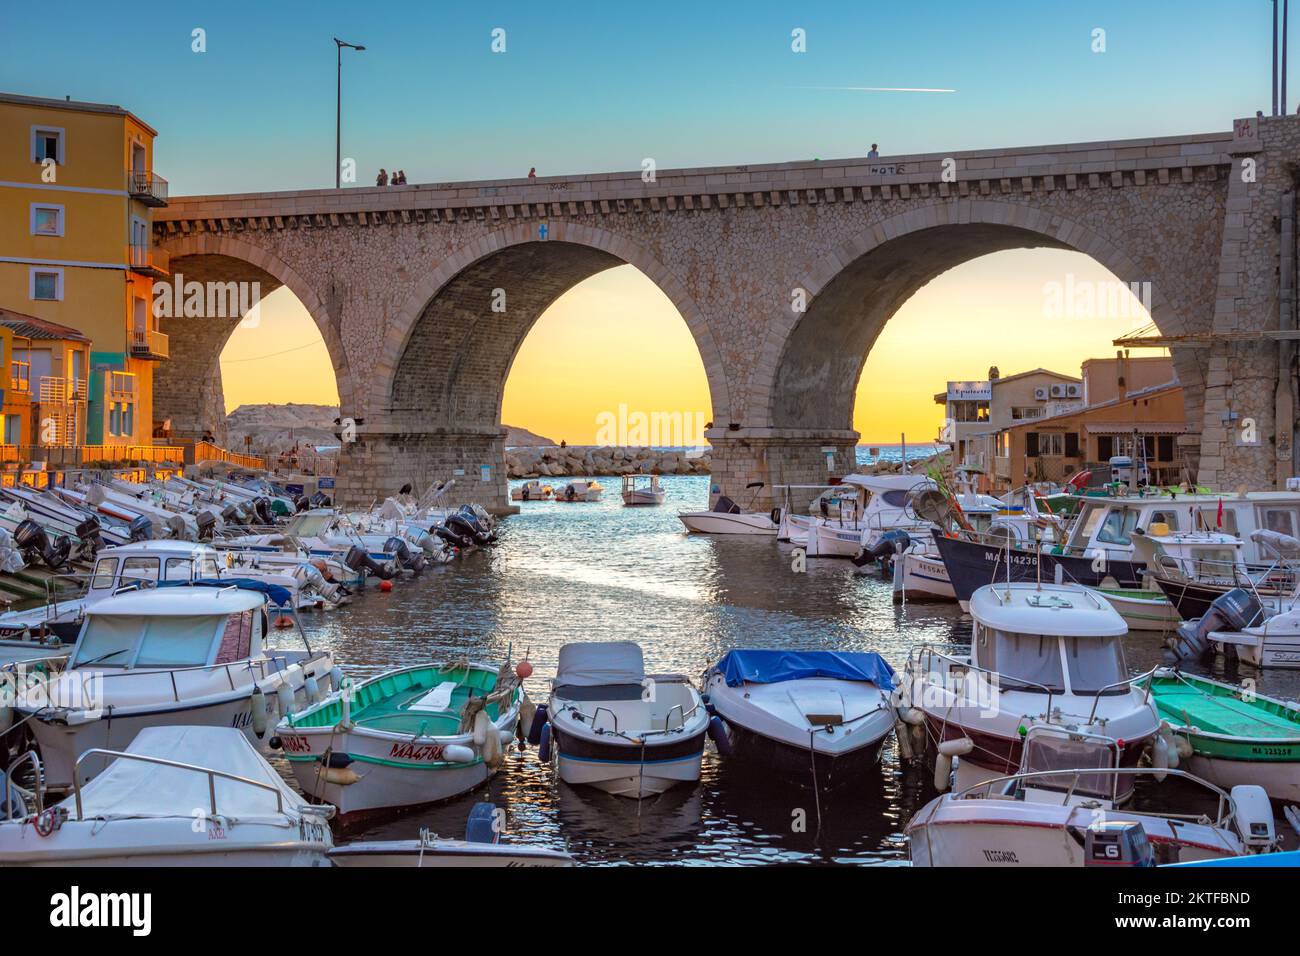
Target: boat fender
345	699
718	733
487	739
257	710
544	742
312	686
904	735
775	516
275	743
918	738
1160	757
527	711
507	737
912	716
957	747
336	677
942	772
1183	747
457	753
339	776
536	724
284	698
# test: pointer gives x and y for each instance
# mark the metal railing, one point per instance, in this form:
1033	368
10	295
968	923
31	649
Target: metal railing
149	342
147	187
212	776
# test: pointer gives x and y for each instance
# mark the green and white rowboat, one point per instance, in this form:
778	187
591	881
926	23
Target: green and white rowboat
1236	736
1141	609
409	737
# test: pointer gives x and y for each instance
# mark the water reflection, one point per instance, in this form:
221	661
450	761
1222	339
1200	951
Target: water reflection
580	572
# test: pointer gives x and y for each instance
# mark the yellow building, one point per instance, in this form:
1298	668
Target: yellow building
77	191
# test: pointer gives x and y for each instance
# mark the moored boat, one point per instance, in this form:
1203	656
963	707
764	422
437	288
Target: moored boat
642	490
820	717
1235	735
405	738
616	728
177	796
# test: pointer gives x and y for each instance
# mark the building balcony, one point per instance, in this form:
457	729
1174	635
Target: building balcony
148	344
147	188
148	261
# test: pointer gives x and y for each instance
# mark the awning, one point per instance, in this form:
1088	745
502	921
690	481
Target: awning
1142	428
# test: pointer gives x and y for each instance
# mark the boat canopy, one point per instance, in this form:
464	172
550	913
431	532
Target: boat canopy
278	595
773	667
137	788
600	664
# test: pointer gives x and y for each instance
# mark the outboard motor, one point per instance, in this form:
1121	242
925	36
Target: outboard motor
88	534
1233	611
482	530
262	508
1117	843
319	500
310	575
358	559
140	529
176	527
230	514
887	545
456	532
405	559
33	542
464	530
301	503
207	523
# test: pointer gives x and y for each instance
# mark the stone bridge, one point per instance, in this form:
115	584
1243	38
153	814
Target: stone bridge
785	274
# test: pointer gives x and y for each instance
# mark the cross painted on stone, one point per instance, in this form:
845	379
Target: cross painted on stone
542	231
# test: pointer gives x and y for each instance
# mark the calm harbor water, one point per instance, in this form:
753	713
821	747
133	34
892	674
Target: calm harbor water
599	572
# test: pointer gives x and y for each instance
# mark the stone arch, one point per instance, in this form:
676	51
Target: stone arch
857	287
450	306
196	345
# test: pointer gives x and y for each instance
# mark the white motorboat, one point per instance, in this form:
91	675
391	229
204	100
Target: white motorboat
482	847
1041	655
1062	817
532	490
580	490
404	738
177	796
615	728
727	517
642	490
172	655
824	713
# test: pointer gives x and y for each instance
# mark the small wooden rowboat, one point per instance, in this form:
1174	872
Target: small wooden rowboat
1236	736
412	736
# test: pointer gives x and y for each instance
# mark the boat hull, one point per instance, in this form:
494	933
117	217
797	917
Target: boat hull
922	577
797	763
972	564
714	522
444	853
626	769
1143	610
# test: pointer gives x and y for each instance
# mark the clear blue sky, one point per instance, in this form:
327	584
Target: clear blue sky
598	86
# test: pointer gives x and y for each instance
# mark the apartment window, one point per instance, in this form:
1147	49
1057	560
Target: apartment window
13	429
1021	412
1051	444
115	419
47	220
47	143
46	284
128	419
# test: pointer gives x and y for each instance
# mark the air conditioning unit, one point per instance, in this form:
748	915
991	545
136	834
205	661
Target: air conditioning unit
1074	391
1058	391
1040	394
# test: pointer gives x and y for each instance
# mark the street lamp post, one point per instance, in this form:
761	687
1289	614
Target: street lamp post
338	111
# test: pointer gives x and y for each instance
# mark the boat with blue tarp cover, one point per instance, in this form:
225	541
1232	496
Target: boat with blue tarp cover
821	717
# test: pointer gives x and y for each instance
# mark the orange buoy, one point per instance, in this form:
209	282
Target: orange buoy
283	621
524	669
385	586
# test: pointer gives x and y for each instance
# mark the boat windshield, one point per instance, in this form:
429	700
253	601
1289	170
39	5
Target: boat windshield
112	640
1118	526
1028	662
1095	663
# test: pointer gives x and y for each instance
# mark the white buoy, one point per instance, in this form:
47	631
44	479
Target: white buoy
336	677
257	710
284	697
957	747
457	753
942	773
1160	757
312	687
904	735
912	716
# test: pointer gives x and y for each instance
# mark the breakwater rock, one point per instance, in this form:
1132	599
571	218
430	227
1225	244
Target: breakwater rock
582	460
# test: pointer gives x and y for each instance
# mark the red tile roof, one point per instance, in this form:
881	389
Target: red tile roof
30	327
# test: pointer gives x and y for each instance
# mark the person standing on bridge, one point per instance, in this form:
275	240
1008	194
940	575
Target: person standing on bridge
382	178
875	152
532	172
